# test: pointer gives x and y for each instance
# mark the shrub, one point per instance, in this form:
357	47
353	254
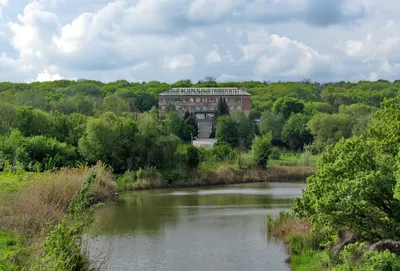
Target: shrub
262	149
275	153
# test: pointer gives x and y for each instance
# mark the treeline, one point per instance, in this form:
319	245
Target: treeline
69	123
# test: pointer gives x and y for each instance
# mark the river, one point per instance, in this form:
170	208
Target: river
212	229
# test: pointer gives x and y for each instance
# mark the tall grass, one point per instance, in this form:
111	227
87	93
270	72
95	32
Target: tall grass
33	211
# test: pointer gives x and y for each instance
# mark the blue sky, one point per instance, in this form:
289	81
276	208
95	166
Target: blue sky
170	40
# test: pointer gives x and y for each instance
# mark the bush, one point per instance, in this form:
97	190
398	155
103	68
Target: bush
275	153
261	149
223	153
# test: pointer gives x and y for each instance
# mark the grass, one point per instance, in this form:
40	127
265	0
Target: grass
34	203
295	159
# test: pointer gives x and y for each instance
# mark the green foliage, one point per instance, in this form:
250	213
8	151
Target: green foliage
295	132
62	247
329	129
271	122
223	152
110	139
261	150
353	189
275	153
222	108
286	106
227	131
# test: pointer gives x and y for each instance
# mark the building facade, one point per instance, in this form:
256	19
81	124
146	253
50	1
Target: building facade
203	101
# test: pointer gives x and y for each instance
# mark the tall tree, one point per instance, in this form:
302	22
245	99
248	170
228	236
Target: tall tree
222	107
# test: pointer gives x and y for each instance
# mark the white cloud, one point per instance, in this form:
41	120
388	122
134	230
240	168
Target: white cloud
282	57
353	47
211	10
179	61
47	76
213	57
161	39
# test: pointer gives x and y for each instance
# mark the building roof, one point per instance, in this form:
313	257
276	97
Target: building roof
206	92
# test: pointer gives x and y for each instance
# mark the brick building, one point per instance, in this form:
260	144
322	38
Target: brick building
203	101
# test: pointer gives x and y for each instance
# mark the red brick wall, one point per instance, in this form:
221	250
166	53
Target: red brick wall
246	103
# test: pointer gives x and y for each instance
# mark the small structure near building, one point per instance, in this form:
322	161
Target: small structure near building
202	102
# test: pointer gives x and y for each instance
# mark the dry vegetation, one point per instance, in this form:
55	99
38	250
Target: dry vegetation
41	203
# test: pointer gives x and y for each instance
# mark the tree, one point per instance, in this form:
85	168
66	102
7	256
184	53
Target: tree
329	129
245	129
193	158
222	107
261	149
353	189
295	132
7	116
227	131
286	106
110	139
271	122
114	103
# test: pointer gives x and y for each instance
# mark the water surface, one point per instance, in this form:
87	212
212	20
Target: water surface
213	229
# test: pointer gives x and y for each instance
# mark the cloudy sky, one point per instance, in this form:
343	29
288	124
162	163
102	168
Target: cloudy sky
169	40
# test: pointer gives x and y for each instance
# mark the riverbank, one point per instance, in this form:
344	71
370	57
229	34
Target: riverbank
222	175
312	250
43	215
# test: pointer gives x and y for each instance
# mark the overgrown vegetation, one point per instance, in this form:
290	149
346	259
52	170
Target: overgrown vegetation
352	202
43	220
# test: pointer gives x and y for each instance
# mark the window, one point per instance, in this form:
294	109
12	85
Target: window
191	100
183	100
163	100
177	100
231	100
204	100
197	100
211	100
198	107
238	99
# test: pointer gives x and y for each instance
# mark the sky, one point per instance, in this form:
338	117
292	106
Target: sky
171	40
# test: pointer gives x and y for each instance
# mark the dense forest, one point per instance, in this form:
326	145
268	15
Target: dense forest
67	123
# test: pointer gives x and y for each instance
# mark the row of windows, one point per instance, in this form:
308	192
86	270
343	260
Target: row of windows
198	100
198	107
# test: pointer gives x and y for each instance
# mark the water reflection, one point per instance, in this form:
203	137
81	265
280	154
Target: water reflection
194	229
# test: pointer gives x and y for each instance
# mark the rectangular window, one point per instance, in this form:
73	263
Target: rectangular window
211	100
163	100
197	100
183	100
191	100
238	99
231	100
204	100
177	99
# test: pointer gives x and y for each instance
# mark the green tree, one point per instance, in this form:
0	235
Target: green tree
353	189
271	122
110	139
245	129
222	107
295	132
261	149
286	106
329	129
227	131
114	103
7	116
